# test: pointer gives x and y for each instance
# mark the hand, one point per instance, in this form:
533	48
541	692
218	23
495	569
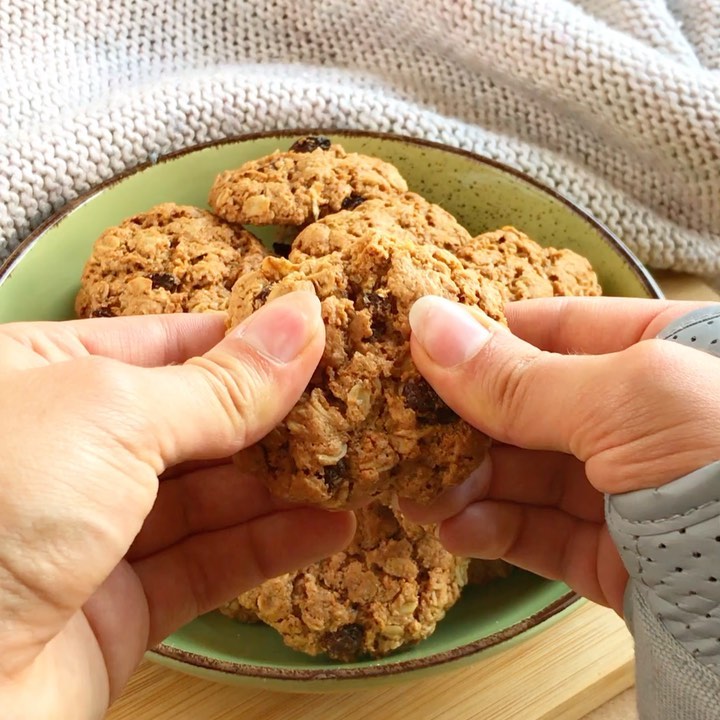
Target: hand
100	557
583	402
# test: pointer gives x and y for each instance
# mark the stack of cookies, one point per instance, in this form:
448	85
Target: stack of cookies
368	428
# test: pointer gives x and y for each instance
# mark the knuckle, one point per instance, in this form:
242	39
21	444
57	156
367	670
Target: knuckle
511	540
661	423
235	385
200	581
648	359
508	389
106	377
656	370
261	562
112	388
631	407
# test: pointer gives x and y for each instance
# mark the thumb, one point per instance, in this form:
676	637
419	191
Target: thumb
230	397
638	417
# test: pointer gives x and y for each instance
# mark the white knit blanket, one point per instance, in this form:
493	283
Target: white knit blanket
614	103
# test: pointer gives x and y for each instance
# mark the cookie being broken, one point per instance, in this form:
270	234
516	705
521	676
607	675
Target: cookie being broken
367	423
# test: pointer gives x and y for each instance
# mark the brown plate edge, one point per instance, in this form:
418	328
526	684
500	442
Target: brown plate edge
369	671
629	258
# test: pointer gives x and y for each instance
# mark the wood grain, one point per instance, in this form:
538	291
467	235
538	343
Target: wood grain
561	674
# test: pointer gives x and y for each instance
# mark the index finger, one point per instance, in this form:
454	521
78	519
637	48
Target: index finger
145	340
590	325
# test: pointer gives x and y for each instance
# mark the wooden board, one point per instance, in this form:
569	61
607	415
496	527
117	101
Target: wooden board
561	674
685	287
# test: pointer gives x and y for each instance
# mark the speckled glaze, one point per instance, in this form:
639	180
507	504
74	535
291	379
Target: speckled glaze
41	279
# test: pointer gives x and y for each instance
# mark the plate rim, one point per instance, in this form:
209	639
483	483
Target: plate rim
339	672
614	242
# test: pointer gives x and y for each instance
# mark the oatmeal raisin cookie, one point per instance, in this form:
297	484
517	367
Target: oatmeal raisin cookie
428	224
367	422
523	269
387	590
172	258
300	185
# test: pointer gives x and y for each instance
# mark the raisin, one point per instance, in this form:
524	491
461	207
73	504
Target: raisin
426	403
260	299
282	249
352	201
333	474
381	310
102	312
346	643
164	280
310	143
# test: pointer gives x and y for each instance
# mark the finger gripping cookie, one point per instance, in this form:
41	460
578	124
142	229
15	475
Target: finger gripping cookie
300	185
172	258
389	589
367	422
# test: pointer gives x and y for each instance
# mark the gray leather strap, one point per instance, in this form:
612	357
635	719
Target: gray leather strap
669	541
699	329
669	537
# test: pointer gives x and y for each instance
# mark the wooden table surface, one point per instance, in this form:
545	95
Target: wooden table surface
563	673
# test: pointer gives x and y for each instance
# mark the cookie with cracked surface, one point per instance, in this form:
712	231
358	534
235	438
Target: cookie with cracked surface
172	258
367	422
389	589
570	274
300	185
428	223
525	269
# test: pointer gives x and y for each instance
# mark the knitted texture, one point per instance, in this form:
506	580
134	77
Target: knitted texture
671	684
614	103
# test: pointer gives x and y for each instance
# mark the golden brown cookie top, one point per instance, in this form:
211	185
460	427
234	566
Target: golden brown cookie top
172	258
300	185
570	273
427	223
524	269
387	589
367	422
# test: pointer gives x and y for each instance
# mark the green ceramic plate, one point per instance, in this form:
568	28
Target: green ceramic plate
40	281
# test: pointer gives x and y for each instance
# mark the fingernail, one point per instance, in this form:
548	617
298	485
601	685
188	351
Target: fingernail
283	328
446	330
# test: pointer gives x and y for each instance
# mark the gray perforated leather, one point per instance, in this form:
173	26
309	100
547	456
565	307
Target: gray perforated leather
699	329
669	541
